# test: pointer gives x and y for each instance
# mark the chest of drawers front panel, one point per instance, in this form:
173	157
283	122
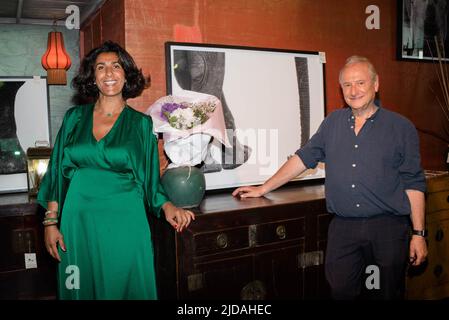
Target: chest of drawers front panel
255	252
431	280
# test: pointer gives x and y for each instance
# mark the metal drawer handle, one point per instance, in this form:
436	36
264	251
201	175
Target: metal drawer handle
222	240
439	235
281	232
310	259
195	282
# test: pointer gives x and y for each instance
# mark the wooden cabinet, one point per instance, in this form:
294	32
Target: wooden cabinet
21	232
431	280
263	248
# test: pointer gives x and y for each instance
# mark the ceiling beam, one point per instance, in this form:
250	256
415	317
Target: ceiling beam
91	10
44	22
87	10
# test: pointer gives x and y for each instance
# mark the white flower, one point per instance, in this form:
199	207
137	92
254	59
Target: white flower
188	122
185	115
185	118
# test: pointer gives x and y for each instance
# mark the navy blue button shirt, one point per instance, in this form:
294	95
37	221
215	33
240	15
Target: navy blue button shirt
366	174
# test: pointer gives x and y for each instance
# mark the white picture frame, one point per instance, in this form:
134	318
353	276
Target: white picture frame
267	92
24	114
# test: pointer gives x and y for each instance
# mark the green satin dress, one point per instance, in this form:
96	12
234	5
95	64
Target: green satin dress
104	190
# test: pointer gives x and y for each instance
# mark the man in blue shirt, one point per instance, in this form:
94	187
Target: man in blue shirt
374	186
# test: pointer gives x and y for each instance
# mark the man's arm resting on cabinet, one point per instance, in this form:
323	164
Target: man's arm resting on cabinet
289	170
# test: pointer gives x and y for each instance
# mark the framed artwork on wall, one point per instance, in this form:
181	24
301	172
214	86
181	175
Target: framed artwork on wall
419	22
24	120
273	101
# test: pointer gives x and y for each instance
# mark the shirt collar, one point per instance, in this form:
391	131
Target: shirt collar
372	117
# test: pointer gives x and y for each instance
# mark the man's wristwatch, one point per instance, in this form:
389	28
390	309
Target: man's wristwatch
422	233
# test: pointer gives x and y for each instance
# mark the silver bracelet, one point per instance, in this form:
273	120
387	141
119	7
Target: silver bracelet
50	211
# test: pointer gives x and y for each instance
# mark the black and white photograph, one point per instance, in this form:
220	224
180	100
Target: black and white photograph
423	23
23	121
224	158
273	102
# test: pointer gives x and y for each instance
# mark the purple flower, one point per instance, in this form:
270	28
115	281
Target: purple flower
169	107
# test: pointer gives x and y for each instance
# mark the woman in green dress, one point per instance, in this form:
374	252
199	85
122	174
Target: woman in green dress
102	179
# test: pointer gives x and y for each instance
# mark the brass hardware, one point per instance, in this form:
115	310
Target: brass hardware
255	290
308	259
222	240
439	235
23	240
252	231
281	231
195	282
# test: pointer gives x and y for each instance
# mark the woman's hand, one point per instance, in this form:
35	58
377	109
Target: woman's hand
52	238
177	217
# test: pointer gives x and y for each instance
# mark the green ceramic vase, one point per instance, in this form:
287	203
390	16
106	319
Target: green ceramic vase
185	186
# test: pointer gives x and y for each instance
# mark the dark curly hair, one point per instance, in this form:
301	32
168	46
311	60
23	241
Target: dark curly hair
84	81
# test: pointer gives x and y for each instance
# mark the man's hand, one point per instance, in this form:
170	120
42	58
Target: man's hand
418	250
290	169
249	192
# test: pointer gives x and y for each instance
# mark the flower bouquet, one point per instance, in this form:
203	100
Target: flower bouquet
188	122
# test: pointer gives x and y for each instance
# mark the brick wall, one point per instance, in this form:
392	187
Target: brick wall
335	27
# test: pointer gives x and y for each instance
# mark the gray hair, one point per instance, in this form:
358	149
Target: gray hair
359	59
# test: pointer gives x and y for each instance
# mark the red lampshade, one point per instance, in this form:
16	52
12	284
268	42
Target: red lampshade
56	60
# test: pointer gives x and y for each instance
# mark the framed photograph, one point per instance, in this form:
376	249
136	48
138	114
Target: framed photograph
273	101
24	120
419	22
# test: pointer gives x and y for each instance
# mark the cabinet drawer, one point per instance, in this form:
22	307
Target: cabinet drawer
438	239
431	280
437	201
438	183
221	241
282	230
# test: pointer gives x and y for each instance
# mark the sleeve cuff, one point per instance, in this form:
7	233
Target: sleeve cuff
308	160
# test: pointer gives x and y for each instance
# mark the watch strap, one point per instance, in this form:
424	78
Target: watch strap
422	233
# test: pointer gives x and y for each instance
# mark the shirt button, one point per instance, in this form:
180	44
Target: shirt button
356	146
353	186
357	205
372	120
354	165
352	127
